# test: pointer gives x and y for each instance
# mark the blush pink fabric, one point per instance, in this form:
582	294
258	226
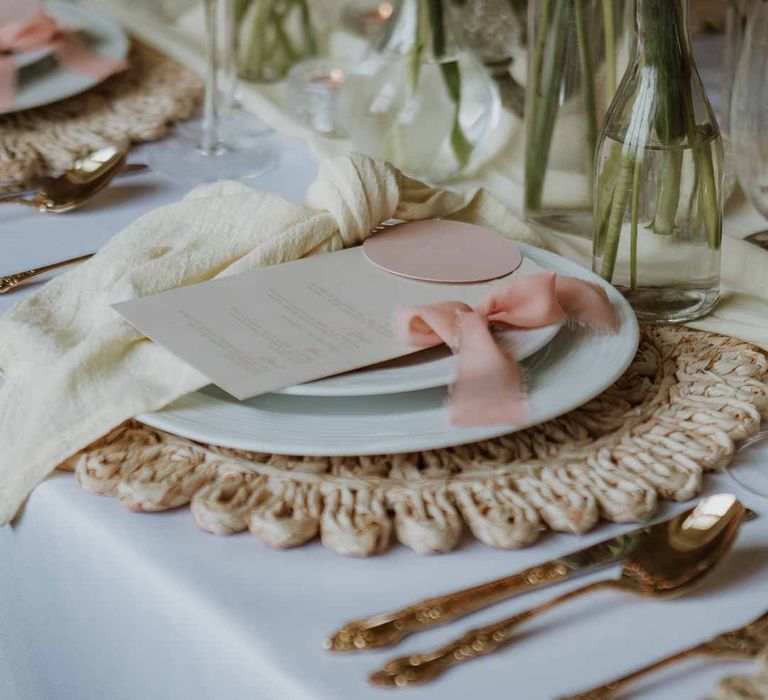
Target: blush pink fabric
489	388
24	26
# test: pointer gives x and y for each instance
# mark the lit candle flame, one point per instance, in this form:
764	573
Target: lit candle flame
385	10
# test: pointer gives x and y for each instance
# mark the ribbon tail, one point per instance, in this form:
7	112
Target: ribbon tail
8	72
489	385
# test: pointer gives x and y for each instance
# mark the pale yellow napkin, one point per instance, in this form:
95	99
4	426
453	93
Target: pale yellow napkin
74	368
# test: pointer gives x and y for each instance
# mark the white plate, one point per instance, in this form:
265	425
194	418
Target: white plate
43	81
22	59
421	370
574	368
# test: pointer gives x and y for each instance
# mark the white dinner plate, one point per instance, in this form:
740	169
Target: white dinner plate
42	81
420	370
22	59
574	368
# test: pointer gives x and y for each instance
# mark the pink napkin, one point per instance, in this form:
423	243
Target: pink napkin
489	387
24	26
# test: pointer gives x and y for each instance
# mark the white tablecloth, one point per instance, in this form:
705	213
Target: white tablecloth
97	603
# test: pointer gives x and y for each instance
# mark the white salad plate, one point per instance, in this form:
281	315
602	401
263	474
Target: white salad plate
42	81
22	59
420	370
572	369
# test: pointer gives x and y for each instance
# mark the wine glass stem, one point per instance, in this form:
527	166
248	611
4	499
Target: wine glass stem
229	57
209	140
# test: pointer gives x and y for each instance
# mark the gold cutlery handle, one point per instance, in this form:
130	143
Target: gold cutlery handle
737	644
10	282
425	667
387	629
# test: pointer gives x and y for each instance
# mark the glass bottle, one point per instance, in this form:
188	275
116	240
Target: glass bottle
420	99
749	120
577	50
658	177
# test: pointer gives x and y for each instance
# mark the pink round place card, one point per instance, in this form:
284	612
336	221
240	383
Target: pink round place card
435	250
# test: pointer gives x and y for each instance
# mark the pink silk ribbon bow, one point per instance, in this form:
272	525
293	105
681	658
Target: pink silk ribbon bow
24	26
489	387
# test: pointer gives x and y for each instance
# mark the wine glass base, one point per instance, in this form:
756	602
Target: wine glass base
236	127
180	158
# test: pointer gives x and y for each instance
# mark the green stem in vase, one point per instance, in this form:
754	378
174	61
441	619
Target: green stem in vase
255	45
587	74
545	20
666	55
545	103
286	56
634	225
308	30
269	49
707	190
669	193
420	40
611	69
622	186
462	148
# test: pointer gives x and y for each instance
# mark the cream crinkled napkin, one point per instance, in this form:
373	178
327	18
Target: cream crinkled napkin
74	369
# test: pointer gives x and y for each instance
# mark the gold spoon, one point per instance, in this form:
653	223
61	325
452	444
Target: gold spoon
91	174
744	643
668	563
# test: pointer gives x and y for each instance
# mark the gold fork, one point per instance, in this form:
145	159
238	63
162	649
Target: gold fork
744	643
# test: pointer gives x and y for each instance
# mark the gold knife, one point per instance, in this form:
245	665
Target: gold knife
387	629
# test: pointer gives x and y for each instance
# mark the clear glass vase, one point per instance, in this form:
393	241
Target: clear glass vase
275	35
749	116
658	177
577	50
420	99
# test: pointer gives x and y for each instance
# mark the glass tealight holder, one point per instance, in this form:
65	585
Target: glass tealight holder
314	95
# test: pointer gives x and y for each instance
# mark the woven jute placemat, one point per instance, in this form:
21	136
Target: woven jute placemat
676	413
133	106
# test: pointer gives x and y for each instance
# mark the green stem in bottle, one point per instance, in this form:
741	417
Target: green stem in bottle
587	73
668	198
706	190
545	20
288	54
622	187
545	101
253	58
666	53
310	38
462	148
422	31
708	194
634	224
611	65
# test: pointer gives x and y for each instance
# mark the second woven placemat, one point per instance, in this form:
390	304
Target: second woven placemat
134	106
676	413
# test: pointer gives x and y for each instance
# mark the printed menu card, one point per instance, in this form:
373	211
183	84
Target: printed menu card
279	326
